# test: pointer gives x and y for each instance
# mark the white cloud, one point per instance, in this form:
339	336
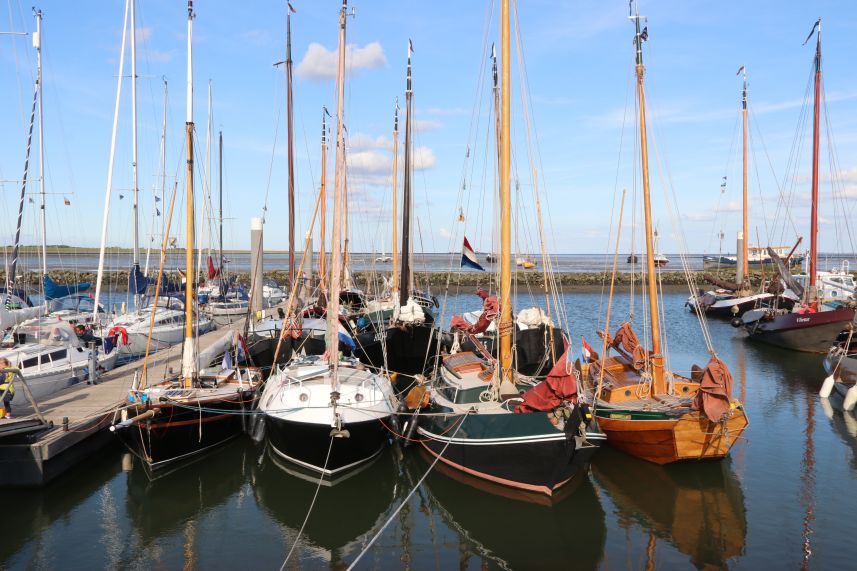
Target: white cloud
370	162
319	63
144	34
424	158
426	125
361	141
444	233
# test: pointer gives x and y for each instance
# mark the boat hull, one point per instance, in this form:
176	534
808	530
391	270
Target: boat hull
306	444
180	433
806	332
523	451
664	440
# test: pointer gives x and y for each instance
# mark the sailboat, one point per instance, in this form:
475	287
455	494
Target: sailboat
230	305
185	415
476	421
152	325
733	299
644	409
810	326
329	415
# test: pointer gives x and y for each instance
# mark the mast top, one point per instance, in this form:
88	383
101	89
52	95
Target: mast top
641	35
494	65
396	116
409	90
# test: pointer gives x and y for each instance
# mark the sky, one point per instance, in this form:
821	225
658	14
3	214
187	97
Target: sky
579	135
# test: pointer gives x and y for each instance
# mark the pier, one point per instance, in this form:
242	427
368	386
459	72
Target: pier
76	419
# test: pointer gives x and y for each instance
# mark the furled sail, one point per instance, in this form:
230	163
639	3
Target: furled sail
54	290
137	282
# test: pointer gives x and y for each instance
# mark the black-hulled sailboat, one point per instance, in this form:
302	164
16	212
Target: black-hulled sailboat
182	416
325	414
477	422
809	326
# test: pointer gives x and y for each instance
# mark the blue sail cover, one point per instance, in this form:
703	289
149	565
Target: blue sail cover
54	290
137	282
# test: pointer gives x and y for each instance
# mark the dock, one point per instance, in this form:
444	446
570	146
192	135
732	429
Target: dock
77	418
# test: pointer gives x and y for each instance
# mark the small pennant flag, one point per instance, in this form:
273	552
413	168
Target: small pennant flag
410	47
157	212
157	199
740	69
292	8
468	257
31	200
811	32
587	349
493	52
66	201
644	35
121	196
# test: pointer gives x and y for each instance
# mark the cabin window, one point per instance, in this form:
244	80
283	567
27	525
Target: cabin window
31	362
57	355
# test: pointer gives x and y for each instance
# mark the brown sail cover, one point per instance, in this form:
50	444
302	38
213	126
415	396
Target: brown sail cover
627	339
715	390
725	284
490	310
560	385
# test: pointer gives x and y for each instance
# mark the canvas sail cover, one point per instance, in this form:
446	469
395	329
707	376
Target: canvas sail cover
54	290
560	385
490	310
715	390
212	271
785	273
137	282
627	339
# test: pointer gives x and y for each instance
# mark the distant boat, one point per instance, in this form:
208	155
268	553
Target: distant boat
632	259
491	258
757	257
525	263
384	258
661	260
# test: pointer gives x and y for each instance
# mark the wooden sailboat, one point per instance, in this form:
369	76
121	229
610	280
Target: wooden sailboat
329	415
809	326
644	409
731	300
477	422
201	408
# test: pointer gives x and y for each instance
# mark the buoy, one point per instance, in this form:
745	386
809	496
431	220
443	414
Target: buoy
850	399
736	322
827	387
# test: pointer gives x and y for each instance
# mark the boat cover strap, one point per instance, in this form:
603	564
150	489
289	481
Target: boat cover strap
715	390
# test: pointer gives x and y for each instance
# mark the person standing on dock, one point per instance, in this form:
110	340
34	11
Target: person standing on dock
7	386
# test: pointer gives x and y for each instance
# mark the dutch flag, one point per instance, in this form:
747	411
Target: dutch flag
468	257
587	350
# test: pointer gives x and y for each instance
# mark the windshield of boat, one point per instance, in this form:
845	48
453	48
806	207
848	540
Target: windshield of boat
51	332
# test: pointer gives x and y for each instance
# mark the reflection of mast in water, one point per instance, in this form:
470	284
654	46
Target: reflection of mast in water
650	552
741	454
189	541
807	479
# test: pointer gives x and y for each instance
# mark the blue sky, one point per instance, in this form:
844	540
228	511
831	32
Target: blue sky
578	58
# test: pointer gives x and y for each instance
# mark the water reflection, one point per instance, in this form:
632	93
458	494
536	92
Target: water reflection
698	508
343	514
844	425
505	532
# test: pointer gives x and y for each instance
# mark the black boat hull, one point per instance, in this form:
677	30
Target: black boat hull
523	451
179	433
307	444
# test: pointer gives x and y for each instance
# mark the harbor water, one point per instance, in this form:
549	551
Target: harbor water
783	499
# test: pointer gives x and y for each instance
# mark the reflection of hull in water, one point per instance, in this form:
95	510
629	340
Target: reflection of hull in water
698	508
344	513
568	535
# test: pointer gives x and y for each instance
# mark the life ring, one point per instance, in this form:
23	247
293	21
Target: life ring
120	332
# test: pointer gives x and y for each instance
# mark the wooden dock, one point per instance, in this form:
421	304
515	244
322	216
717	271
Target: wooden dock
80	416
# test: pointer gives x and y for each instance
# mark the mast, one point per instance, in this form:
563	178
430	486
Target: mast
322	249
394	242
745	207
339	180
404	278
506	324
657	359
496	101
291	156
220	209
816	123
135	262
37	43
207	215
110	162
188	353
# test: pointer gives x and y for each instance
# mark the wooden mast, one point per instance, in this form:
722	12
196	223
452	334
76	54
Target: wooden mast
506	324
339	180
657	359
189	349
745	207
813	242
322	276
394	242
291	157
496	102
405	277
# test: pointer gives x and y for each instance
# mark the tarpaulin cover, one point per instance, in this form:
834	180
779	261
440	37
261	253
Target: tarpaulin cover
627	338
560	385
54	290
212	271
137	282
715	390
490	310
